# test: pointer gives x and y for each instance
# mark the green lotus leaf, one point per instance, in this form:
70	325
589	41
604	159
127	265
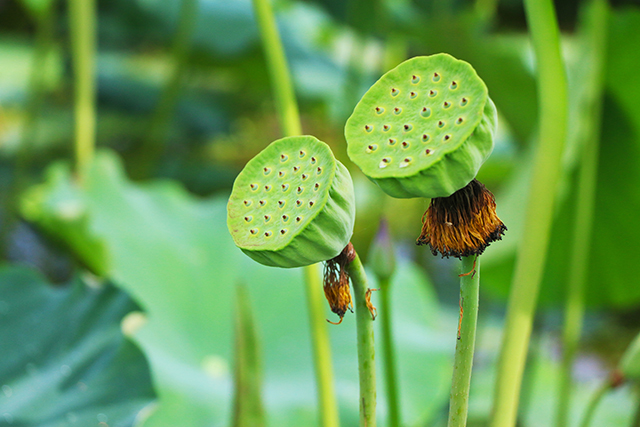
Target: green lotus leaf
424	129
292	205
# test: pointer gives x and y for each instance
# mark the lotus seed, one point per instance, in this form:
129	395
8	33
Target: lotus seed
281	174
248	218
394	91
304	176
267	187
296	168
253	187
281	203
298	203
392	141
413	95
298	219
319	171
285	218
267	218
463	102
454	85
267	233
447	137
405	144
285	187
379	110
311	202
372	148
253	231
315	187
425	137
433	93
302	154
368	128
283	231
440	124
300	190
283	157
385	128
247	202
460	120
313	160
397	110
407	128
436	77
405	162
263	202
446	104
267	171
426	112
427	152
415	79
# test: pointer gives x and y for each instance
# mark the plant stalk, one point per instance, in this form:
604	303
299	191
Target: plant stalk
388	352
552	95
366	348
463	362
289	118
597	20
596	397
82	17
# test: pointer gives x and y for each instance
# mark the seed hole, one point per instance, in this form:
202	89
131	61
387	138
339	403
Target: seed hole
397	110
413	95
405	144
425	137
315	187
392	141
263	202
415	79
300	190
406	162
247	202
267	218
285	187
248	218
433	93
285	218
283	157
283	231
281	174
267	187
460	120
296	168
426	112
464	101
304	176
394	91
436	77
267	234
427	152
446	104
298	203
298	219
407	127
447	137
253	187
311	203
253	231
302	154
313	160
266	171
379	110
454	85
368	128
281	203
384	162
385	128
440	124
318	171
371	148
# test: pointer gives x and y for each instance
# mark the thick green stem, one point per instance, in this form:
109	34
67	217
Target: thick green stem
366	348
278	69
153	143
596	27
82	17
593	403
388	353
321	350
461	383
290	123
552	95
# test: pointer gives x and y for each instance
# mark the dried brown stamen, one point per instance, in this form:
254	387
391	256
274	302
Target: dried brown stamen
462	224
367	300
336	283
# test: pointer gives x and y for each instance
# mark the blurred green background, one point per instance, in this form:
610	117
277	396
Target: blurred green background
118	296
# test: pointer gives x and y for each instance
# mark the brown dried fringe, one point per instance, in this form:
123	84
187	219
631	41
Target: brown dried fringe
462	224
336	283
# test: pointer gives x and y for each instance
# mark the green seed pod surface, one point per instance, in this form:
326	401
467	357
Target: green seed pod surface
293	204
424	128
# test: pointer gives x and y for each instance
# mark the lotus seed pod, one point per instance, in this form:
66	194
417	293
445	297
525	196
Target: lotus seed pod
424	129
292	205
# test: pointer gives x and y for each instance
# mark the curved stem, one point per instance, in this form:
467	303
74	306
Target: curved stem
290	123
593	403
366	348
388	352
596	27
82	17
463	362
552	95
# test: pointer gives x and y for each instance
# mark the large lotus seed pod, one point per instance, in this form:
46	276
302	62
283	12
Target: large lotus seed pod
424	129
293	204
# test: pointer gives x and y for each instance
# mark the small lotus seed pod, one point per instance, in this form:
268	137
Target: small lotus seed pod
292	205
424	129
